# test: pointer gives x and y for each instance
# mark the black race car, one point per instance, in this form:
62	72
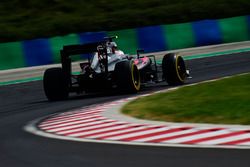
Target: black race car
109	68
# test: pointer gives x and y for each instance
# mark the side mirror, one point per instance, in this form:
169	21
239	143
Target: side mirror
138	52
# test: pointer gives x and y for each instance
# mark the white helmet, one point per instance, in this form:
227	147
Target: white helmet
114	44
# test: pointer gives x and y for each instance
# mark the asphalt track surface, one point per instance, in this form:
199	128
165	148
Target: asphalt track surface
25	102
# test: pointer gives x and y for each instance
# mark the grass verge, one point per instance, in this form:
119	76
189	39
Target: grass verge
226	101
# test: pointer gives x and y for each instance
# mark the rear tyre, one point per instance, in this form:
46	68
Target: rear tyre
127	77
55	84
174	69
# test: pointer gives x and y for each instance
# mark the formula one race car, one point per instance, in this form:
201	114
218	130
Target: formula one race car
110	68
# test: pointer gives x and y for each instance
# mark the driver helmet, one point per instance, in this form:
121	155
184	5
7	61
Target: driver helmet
113	46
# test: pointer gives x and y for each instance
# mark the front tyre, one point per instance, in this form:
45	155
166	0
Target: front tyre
55	84
174	69
127	77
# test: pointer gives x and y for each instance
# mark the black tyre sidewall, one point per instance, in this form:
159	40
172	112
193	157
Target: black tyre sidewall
170	70
55	84
124	76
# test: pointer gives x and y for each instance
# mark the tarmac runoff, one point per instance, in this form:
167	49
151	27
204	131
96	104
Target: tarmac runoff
103	123
29	74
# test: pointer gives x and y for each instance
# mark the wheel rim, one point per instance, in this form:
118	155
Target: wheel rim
180	68
136	77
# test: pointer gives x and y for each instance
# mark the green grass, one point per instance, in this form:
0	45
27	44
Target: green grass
29	19
225	101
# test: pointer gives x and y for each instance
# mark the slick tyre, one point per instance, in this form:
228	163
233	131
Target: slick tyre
173	69
127	77
55	84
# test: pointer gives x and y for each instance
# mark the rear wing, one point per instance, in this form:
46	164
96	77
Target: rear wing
71	50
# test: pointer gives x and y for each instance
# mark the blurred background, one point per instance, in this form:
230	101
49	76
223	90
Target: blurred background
29	19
